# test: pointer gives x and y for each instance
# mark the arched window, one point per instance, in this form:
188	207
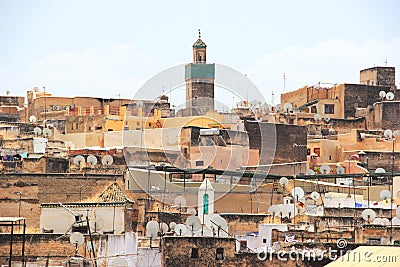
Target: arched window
205	203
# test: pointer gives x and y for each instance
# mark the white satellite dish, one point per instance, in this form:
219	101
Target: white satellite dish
152	228
278	107
180	201
37	131
396	133
8	92
215	223
92	160
382	94
317	117
107	160
32	119
398	212
288	107
193	223
191	211
389	96
384	240
297	193
368	215
331	131
395	221
77	239
273	210
96	222
385	221
172	225
377	221
385	194
283	181
340	170
380	170
315	195
325	169
139	104
180	229
289	210
327	118
388	133
47	132
163	228
310	172
78	160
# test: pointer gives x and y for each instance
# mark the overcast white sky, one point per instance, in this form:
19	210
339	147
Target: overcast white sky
106	48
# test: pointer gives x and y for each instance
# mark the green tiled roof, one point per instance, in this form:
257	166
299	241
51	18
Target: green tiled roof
199	44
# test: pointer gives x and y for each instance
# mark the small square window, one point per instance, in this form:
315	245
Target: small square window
220	254
264	240
195	253
329	109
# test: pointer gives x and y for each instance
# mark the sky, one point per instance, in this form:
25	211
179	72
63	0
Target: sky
111	48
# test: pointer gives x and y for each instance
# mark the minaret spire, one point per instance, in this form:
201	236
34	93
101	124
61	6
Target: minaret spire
199	33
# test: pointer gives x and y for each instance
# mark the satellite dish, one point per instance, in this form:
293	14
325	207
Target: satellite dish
340	170
380	170
47	132
278	107
192	211
388	133
385	221
37	131
92	160
180	229
384	240
377	221
327	118
77	239
78	160
389	96
193	223
310	172
107	160
331	131
315	195
368	215
325	169
289	210
273	210
32	119
7	92
96	222
152	228
398	212
283	181
317	117
172	225
163	228
297	193
396	133
288	107
385	194
180	201
382	94
395	221
215	223
139	104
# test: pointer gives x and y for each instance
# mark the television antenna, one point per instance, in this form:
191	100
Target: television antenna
193	223
92	160
78	160
32	119
368	215
107	160
325	169
180	229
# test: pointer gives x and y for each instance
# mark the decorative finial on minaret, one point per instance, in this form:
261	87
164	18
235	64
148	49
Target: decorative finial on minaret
199	33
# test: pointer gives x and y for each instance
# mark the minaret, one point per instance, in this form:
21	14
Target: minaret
199	77
205	200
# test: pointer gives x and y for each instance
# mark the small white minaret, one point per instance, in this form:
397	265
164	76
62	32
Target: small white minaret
205	200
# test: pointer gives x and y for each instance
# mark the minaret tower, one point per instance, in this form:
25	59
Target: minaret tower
199	77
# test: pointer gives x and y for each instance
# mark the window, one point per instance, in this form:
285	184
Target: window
329	108
195	253
220	254
317	151
264	240
313	109
199	162
205	203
